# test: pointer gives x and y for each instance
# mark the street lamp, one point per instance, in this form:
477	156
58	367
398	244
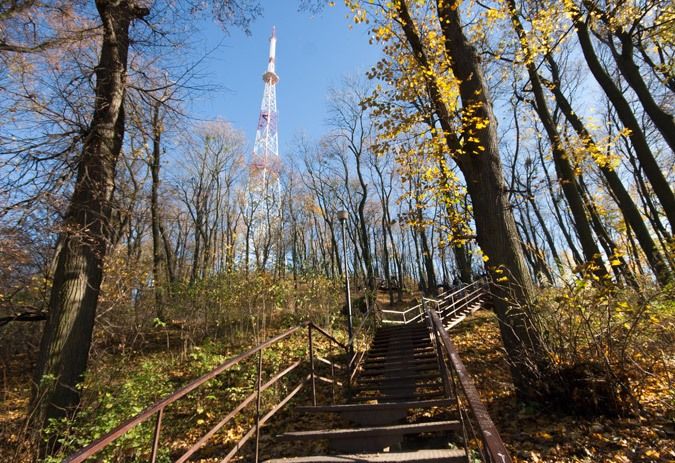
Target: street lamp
342	217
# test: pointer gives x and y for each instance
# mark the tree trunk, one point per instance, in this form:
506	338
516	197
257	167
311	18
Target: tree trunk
463	262
630	71
479	162
618	190
428	262
623	110
157	257
546	231
611	249
563	167
363	233
64	349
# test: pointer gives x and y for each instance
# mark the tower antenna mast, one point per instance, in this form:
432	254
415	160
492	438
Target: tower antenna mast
264	188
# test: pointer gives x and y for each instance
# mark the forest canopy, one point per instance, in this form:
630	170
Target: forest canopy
532	143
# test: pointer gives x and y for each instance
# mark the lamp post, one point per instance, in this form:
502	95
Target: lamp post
342	217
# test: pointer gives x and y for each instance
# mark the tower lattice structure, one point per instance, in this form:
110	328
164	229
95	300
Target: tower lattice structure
264	188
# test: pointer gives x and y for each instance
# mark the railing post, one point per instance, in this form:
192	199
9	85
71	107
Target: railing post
311	363
257	408
332	377
439	356
155	437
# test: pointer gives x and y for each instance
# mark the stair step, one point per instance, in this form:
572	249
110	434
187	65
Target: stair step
379	414
400	328
388	385
400	351
375	407
401	337
409	334
381	361
421	456
412	396
399	363
398	341
396	369
379	379
395	349
400	429
394	353
412	336
402	356
401	346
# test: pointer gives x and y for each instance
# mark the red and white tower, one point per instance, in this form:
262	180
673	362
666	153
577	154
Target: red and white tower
266	147
264	188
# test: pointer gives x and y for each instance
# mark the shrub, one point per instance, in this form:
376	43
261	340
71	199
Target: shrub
603	343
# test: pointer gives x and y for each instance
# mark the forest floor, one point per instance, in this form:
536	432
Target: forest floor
536	434
532	433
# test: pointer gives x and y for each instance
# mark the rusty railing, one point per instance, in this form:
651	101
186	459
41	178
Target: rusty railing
474	417
157	409
365	330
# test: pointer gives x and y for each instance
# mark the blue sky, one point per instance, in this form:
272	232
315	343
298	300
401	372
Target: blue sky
314	52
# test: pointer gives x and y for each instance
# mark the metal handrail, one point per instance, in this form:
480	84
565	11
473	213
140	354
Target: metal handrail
357	357
461	304
401	316
492	442
157	409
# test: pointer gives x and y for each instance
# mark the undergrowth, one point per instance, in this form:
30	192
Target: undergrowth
118	389
604	344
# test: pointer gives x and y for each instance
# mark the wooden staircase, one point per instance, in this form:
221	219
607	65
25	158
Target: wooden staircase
401	374
411	372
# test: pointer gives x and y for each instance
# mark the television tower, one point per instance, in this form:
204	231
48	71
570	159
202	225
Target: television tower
264	188
266	147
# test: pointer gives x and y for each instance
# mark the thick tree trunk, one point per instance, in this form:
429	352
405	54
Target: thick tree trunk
463	262
67	336
479	162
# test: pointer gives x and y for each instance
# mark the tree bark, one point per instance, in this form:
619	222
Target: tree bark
157	256
479	162
66	340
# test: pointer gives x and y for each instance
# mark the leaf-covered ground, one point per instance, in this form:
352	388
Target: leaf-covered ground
533	434
536	434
